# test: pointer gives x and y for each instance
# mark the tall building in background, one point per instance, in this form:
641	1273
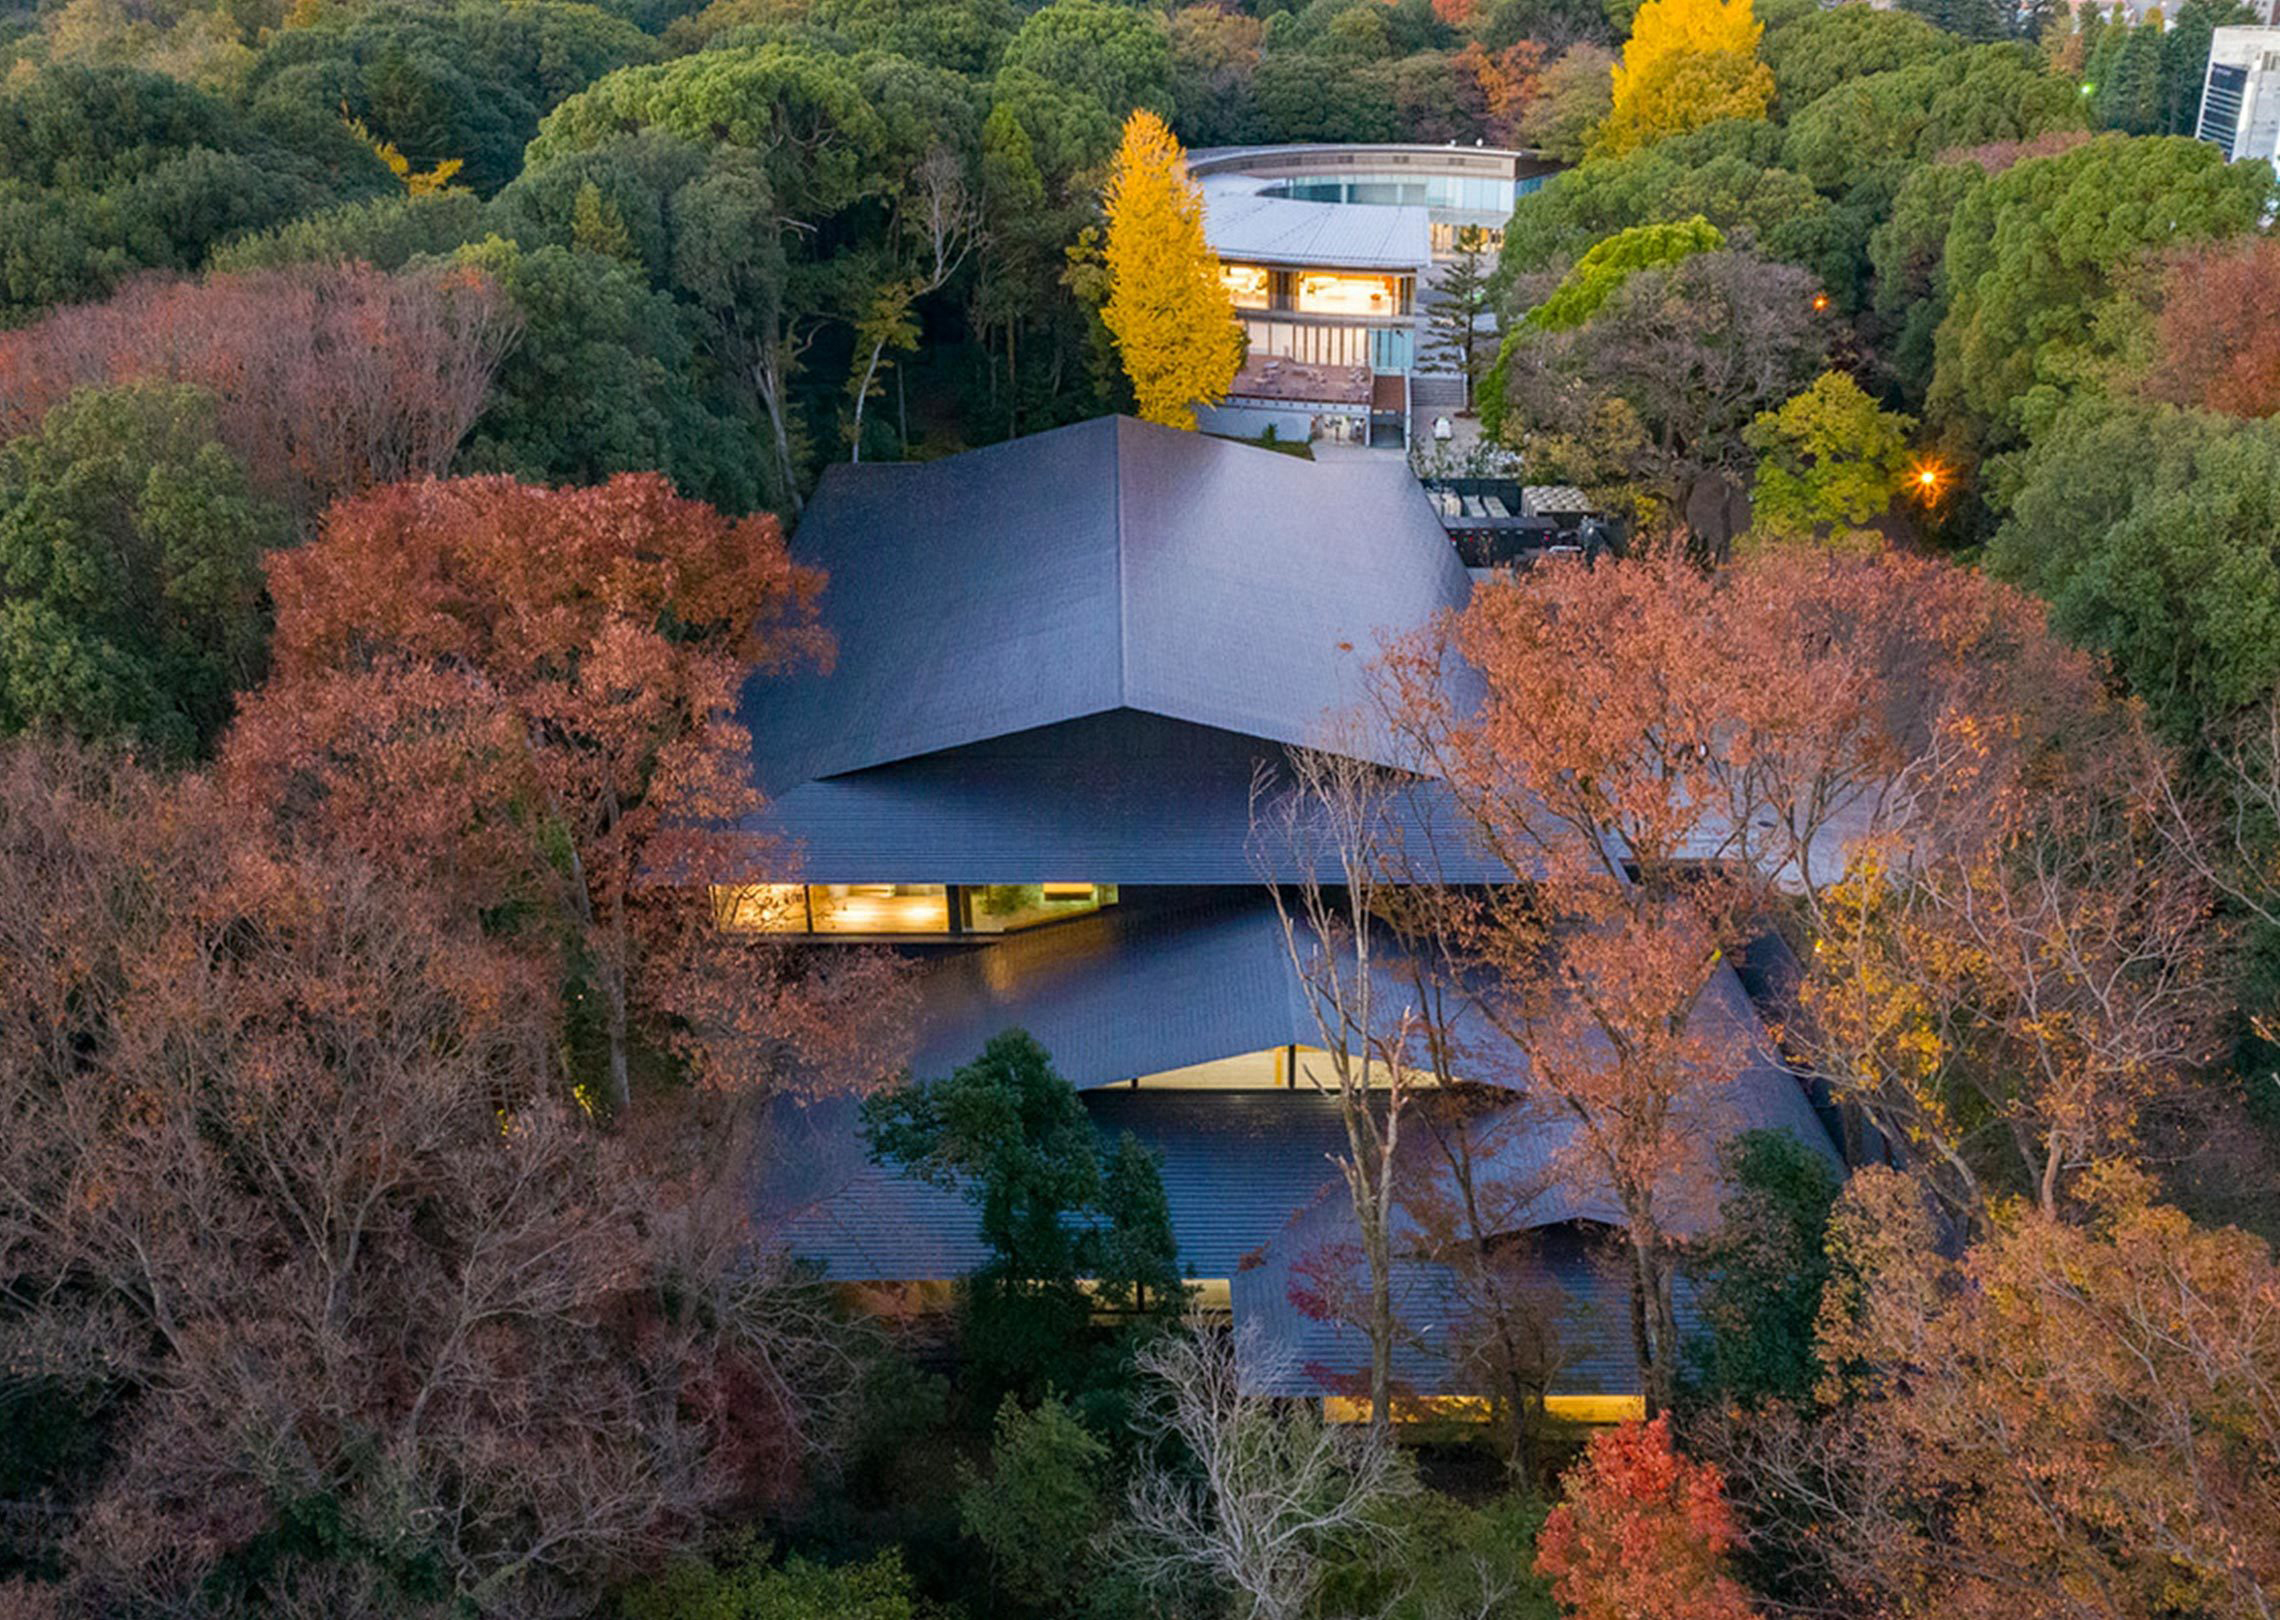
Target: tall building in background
2240	97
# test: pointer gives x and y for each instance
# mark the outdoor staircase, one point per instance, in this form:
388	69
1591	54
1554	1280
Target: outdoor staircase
1436	391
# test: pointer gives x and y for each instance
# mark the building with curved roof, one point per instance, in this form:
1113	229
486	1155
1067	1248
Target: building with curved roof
1328	252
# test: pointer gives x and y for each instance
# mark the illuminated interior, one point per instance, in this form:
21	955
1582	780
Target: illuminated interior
1477	1409
878	908
1324	292
1247	284
999	908
1278	1068
901	908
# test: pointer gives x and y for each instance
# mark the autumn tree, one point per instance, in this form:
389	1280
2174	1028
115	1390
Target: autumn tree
1659	750
2217	332
327	379
297	1220
2007	982
1328	847
2075	1416
1641	1532
1688	63
1172	317
1829	460
528	696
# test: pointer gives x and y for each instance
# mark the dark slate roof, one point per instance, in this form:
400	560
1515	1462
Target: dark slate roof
1121	797
1108	565
1290	1347
1169	981
1235	1164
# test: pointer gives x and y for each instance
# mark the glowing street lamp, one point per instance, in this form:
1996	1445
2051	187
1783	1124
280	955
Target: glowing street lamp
1926	479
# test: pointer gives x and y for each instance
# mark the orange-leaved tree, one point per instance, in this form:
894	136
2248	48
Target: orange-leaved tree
1641	1532
2076	1417
1170	312
1688	63
1640	756
528	696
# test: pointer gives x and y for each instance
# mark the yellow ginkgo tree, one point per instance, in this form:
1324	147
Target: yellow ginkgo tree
1168	308
1688	63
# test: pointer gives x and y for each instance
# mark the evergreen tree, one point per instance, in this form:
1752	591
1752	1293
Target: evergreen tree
1011	1135
1170	312
1456	326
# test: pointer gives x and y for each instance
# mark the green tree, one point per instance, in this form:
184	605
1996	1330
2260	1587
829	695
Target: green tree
388	232
1762	1270
1037	1509
131	595
1838	44
107	171
1118	55
607	378
467	80
2151	531
1457	320
2033	257
1011	1135
1875	128
1729	173
742	1584
1907	255
1829	460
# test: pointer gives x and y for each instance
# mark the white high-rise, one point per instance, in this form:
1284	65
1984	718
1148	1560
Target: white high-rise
2240	95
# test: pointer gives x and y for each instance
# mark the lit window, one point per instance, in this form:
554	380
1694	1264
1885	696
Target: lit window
760	908
1246	284
879	908
1322	293
997	908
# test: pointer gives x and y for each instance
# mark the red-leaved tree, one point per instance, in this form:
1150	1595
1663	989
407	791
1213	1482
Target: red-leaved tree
330	379
2218	332
293	1211
527	697
1641	1532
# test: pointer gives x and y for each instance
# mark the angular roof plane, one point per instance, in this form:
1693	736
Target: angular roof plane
1109	565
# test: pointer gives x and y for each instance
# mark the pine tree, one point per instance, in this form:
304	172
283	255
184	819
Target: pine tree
1171	315
1456	326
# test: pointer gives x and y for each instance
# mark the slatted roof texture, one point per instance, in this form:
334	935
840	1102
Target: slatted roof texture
1252	229
1235	1164
1139	990
1112	564
1292	1349
1122	797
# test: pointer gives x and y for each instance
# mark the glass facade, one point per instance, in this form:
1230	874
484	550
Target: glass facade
873	909
1000	908
1333	292
1248	285
1458	193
